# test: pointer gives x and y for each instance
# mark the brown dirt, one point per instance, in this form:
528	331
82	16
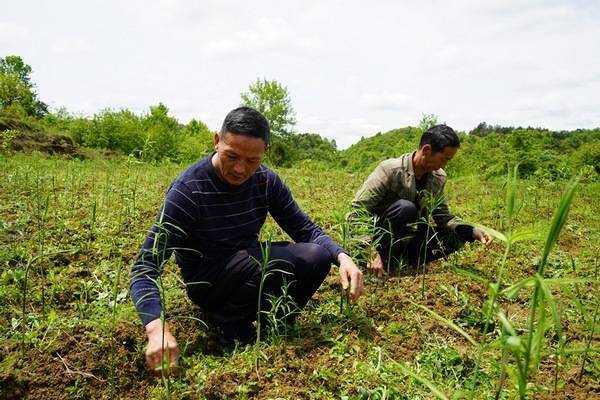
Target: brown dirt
78	364
51	144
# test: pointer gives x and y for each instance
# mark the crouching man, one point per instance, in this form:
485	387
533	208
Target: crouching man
402	192
211	218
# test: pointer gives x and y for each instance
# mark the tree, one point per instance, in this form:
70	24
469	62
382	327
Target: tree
16	89
427	121
161	133
273	100
15	65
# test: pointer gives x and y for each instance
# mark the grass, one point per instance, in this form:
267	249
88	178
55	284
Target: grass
389	345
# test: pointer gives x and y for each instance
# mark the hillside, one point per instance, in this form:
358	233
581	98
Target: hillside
539	152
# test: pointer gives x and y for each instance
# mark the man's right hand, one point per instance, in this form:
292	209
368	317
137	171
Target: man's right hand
376	266
162	347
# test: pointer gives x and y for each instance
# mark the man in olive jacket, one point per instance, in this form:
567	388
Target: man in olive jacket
400	191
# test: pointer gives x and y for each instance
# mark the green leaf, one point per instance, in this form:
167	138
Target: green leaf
558	221
525	235
506	324
513	343
553	307
490	231
512	291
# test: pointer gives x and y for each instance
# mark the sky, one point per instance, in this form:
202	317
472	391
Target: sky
352	68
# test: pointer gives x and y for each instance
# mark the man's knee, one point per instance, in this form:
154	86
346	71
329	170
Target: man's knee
398	215
313	255
402	209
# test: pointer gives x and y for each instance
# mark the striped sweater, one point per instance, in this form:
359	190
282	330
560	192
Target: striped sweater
204	219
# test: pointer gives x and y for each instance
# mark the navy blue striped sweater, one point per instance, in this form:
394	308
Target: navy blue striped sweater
204	219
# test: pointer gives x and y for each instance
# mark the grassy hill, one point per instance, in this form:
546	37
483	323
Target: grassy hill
539	152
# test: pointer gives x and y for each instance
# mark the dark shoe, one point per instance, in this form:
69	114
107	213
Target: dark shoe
238	333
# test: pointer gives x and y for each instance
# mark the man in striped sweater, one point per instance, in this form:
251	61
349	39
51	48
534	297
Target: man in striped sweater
211	218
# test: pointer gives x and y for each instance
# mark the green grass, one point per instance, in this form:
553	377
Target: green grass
76	226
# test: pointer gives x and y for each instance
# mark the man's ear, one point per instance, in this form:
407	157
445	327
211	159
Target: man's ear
426	150
216	139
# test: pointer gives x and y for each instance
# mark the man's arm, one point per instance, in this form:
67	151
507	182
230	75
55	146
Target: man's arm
294	221
298	225
465	232
373	190
168	232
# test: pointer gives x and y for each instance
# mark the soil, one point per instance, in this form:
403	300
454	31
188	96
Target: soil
77	366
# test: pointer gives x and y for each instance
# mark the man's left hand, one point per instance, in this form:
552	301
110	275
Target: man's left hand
350	276
481	236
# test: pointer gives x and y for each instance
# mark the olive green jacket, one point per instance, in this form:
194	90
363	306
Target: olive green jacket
394	179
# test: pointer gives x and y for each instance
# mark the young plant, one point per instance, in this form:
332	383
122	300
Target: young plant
510	237
265	266
527	350
430	204
21	278
41	211
282	309
113	320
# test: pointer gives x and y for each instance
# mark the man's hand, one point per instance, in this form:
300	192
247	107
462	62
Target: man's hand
481	236
350	276
376	266
162	351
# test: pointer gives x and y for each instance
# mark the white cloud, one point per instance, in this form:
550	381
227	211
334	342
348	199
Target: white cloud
11	32
68	46
391	101
266	37
352	68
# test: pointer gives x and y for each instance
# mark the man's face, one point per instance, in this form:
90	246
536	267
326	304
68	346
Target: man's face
238	156
438	159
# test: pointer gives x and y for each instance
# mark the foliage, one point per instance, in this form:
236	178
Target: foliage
16	89
152	136
272	99
312	146
368	152
541	153
427	121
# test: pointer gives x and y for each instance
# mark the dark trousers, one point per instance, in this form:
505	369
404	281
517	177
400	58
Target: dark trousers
403	236
232	299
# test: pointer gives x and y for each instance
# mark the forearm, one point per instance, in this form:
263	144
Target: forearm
145	275
145	293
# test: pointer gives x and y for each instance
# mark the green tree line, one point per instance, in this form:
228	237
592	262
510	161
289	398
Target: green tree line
487	150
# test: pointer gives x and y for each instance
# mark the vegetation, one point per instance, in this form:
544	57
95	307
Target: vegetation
17	92
515	320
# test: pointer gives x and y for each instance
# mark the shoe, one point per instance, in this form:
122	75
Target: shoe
233	334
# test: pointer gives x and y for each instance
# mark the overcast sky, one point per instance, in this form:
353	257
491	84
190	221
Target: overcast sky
353	68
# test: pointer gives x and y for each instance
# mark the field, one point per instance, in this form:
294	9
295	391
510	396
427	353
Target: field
70	230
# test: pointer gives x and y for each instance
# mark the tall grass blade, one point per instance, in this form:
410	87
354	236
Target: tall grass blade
434	390
558	222
447	322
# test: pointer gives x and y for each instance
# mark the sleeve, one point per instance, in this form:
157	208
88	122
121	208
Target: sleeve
294	221
373	190
168	233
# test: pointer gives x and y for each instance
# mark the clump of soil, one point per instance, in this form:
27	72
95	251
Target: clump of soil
52	144
28	138
79	365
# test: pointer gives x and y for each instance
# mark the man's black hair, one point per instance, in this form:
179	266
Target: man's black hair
247	121
439	137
